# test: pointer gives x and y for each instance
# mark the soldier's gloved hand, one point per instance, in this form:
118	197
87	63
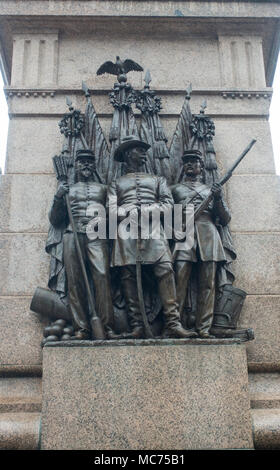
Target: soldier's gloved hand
217	191
63	188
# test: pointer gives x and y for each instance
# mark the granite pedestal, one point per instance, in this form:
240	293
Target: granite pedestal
149	394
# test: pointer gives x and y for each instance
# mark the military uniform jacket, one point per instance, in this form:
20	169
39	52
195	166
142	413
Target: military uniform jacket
140	188
85	199
207	242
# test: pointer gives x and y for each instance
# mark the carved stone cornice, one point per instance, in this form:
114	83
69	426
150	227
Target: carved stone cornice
222	92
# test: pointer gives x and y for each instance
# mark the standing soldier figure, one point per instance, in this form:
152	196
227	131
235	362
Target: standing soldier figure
132	191
85	195
207	249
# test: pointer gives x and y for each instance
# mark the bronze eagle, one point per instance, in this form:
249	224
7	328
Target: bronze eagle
120	67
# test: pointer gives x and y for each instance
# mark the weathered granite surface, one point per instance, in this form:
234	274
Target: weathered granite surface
264	390
19	431
263	311
18	394
226	49
172	394
266	426
21	334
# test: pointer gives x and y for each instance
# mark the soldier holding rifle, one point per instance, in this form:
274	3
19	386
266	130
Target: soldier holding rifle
207	250
84	196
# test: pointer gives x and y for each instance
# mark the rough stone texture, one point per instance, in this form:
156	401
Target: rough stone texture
264	390
159	8
19	431
36	158
20	107
262	313
5	191
254	201
220	59
170	396
28	200
24	263
233	135
20	333
266	429
18	394
257	267
178	50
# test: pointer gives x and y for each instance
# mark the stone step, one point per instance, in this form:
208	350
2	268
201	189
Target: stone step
19	431
264	390
16	405
266	428
20	394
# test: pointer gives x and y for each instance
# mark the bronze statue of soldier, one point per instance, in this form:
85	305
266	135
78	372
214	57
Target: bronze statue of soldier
84	196
207	249
131	191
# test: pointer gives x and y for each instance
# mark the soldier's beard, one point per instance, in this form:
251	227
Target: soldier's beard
139	166
85	174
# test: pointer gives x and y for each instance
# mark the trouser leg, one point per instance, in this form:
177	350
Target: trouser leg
76	288
167	291
206	295
129	287
183	271
98	261
166	285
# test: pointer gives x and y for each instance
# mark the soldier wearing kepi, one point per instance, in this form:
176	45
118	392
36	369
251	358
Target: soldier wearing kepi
86	197
207	249
132	191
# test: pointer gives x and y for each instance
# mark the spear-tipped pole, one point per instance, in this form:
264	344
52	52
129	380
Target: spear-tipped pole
203	107
86	91
61	170
148	79
189	92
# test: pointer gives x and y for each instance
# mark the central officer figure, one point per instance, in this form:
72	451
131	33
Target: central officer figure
131	192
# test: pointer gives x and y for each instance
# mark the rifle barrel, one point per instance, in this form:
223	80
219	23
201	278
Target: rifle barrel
224	179
236	163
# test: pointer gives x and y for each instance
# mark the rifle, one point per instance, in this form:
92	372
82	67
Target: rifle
224	179
60	164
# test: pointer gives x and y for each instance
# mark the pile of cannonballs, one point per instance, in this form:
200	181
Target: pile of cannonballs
58	330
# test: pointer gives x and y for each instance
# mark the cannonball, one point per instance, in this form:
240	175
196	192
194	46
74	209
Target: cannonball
47	331
56	330
68	330
65	337
60	322
52	338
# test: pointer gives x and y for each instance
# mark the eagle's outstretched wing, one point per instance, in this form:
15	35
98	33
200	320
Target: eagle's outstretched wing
130	65
108	67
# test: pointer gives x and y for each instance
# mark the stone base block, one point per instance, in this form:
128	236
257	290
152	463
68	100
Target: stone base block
149	394
266	428
19	431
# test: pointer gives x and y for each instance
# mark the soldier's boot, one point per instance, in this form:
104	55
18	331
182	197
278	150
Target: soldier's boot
129	287
110	334
81	335
173	327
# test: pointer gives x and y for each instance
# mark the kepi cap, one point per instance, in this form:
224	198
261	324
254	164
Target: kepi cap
193	153
85	153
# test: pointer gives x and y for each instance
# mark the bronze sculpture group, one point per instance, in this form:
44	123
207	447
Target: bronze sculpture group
133	286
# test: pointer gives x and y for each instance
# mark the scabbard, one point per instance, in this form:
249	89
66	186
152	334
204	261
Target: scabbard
148	330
